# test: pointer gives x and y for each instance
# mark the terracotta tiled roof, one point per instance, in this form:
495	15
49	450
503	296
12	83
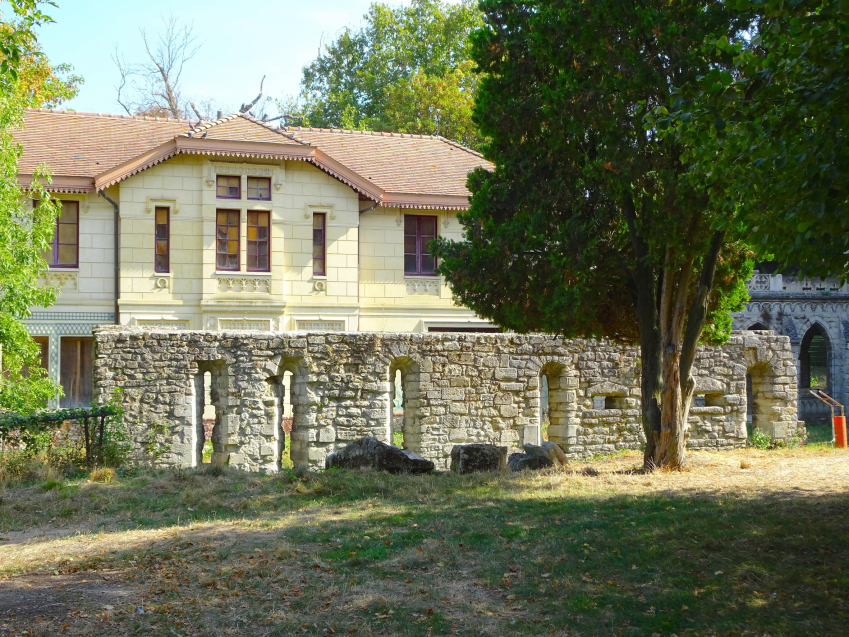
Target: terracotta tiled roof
87	151
86	144
239	128
396	162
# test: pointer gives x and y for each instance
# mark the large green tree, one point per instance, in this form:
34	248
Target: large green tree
585	227
767	126
26	80
406	69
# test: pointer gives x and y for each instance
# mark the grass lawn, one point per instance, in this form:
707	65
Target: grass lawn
743	543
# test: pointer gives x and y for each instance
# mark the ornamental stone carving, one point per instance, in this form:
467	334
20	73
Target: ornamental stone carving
244	284
244	324
418	287
61	279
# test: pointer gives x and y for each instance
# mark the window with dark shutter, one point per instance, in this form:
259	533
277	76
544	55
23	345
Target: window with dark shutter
419	231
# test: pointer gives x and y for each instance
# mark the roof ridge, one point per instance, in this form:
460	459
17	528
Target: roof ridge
206	125
450	142
278	129
93	114
348	131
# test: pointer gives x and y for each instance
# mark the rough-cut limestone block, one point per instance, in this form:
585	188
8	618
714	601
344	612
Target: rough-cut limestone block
478	458
523	462
370	452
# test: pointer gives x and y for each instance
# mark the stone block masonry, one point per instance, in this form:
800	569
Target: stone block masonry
457	388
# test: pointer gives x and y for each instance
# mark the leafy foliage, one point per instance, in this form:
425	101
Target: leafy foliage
767	129
26	80
407	69
585	227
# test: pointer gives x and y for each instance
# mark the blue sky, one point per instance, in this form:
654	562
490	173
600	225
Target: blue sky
242	41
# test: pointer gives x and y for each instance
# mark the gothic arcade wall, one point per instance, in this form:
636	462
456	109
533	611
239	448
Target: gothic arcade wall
457	388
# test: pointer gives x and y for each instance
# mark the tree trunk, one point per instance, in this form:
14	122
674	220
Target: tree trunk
679	354
646	292
650	392
669	452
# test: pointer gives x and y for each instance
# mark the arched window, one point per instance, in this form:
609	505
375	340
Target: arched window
815	360
757	326
403	427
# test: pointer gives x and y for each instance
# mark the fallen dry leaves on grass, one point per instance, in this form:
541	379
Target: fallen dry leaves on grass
749	541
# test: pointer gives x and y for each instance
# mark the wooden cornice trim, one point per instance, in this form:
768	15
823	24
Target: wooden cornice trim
61	183
135	165
430	202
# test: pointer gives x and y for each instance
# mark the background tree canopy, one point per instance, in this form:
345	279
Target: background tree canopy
26	80
767	128
407	69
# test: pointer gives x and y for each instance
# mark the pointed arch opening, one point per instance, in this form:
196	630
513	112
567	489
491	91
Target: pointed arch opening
814	373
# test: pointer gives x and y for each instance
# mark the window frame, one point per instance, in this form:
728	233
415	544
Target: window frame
167	210
54	245
220	196
419	250
238	252
323	229
248	241
267	180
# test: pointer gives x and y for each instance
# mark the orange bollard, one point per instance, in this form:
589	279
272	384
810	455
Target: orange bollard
840	432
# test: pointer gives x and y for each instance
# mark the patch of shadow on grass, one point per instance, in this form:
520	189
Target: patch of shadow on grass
46	597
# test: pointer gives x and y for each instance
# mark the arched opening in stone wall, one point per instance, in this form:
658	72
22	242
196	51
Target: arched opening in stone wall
757	326
404	401
552	405
211	437
286	419
273	403
814	373
760	400
294	376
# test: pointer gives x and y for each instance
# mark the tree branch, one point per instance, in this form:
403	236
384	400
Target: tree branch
698	309
246	107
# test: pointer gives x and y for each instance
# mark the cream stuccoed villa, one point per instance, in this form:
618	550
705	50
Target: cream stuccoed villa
235	224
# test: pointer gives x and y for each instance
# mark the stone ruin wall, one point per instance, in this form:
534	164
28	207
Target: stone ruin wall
458	388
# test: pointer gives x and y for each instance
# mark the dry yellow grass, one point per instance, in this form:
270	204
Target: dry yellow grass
750	542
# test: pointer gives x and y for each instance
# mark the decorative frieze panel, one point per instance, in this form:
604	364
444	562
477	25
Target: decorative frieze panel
163	324
758	283
246	284
320	326
62	279
245	325
427	287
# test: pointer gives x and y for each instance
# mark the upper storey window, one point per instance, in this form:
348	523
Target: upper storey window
259	241
162	239
64	252
259	188
228	187
319	245
227	240
419	231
